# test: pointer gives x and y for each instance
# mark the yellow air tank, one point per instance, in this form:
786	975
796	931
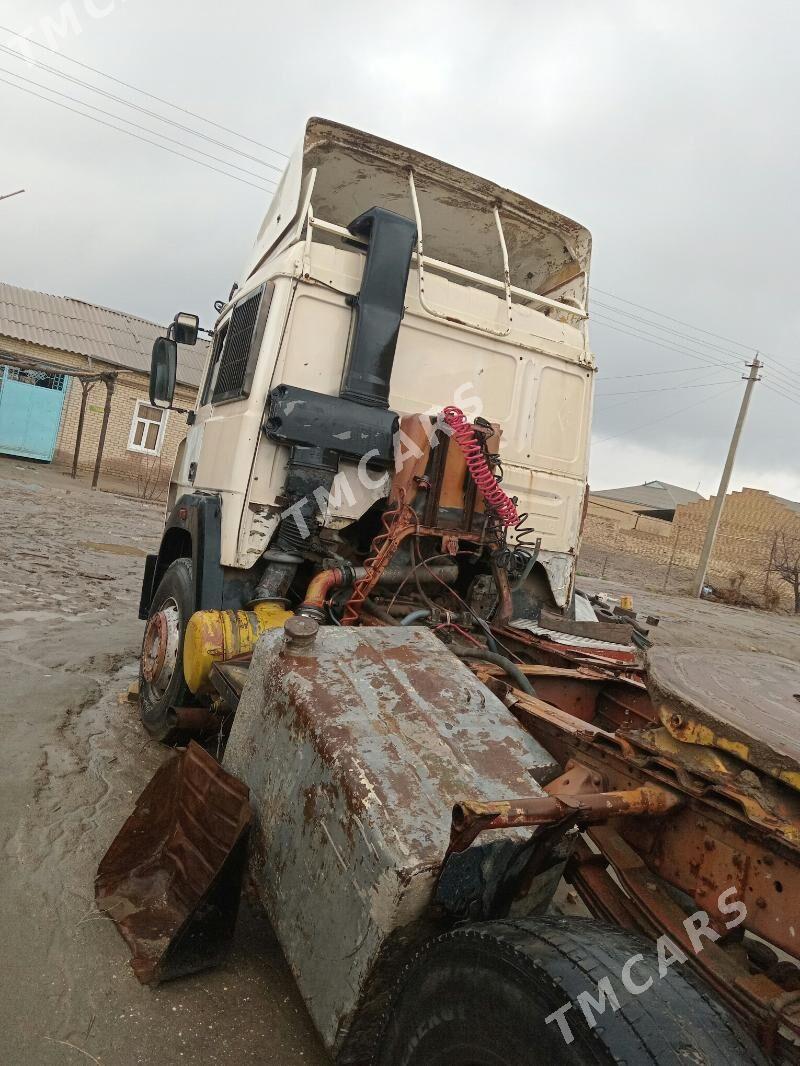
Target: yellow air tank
216	636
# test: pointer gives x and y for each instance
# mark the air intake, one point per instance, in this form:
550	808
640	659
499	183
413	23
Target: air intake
379	305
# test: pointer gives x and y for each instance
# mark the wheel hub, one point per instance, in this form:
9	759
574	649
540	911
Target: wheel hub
160	646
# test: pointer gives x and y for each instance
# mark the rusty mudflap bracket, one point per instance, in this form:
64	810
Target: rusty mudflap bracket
484	881
171	880
470	819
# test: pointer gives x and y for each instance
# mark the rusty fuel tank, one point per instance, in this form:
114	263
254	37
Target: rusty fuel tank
355	744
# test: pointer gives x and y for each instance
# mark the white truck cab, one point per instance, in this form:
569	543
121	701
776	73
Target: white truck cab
383	283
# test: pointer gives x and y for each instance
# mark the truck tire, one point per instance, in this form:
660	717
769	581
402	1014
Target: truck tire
161	682
479	996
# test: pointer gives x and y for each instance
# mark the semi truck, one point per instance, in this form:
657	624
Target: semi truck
364	595
382	285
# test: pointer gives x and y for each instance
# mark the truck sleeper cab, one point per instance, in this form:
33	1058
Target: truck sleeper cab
383	284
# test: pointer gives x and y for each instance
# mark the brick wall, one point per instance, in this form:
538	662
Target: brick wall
626	516
607	532
118	460
750	521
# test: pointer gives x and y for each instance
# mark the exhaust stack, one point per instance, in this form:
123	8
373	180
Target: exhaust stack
379	305
310	423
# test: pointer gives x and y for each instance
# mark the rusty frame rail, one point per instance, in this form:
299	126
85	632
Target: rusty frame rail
643	904
726	829
470	819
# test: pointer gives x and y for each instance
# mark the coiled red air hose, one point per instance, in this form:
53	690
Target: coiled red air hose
467	440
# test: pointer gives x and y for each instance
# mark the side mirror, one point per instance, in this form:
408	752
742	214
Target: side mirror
185	328
163	371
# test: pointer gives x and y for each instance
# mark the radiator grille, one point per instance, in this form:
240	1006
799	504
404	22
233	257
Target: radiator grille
236	354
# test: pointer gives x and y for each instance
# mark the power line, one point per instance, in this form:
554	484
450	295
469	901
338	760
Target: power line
146	129
139	137
276	151
601	320
663	418
652	373
670	318
696	353
630	330
151	96
780	378
668	329
788	378
136	107
664	388
261	144
784	395
729	340
634	396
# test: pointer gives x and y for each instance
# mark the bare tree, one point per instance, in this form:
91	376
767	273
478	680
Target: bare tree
148	478
786	564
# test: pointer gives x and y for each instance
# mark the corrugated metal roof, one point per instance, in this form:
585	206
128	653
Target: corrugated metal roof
654	495
69	325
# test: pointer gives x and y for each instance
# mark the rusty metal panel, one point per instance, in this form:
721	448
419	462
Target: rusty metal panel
171	879
355	748
745	704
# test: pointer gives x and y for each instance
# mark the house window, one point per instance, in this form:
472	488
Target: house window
147	429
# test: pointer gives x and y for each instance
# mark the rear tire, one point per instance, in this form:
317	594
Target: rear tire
159	696
480	994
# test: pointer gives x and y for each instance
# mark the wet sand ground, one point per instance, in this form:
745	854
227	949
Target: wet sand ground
72	760
74	757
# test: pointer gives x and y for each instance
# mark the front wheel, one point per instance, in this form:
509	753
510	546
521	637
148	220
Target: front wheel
491	994
161	683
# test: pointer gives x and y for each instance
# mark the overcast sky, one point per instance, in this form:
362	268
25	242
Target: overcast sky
668	128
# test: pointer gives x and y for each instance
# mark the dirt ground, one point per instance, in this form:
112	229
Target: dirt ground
73	759
685	621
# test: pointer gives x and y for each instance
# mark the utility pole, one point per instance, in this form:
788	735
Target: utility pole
719	502
8	195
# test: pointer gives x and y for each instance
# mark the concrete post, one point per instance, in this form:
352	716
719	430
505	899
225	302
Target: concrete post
719	502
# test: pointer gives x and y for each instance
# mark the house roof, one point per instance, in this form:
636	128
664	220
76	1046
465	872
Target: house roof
654	495
68	325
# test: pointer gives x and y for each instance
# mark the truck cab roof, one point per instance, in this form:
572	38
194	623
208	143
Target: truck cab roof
338	172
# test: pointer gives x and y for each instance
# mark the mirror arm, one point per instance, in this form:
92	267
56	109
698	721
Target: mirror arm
172	407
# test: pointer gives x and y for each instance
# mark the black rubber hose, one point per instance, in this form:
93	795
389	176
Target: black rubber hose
513	671
375	609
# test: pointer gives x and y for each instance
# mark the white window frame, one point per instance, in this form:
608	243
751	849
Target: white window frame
162	425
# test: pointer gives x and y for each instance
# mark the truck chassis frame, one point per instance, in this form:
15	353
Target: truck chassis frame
707	827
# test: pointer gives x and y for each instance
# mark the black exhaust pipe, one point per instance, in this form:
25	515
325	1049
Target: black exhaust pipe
318	429
379	305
